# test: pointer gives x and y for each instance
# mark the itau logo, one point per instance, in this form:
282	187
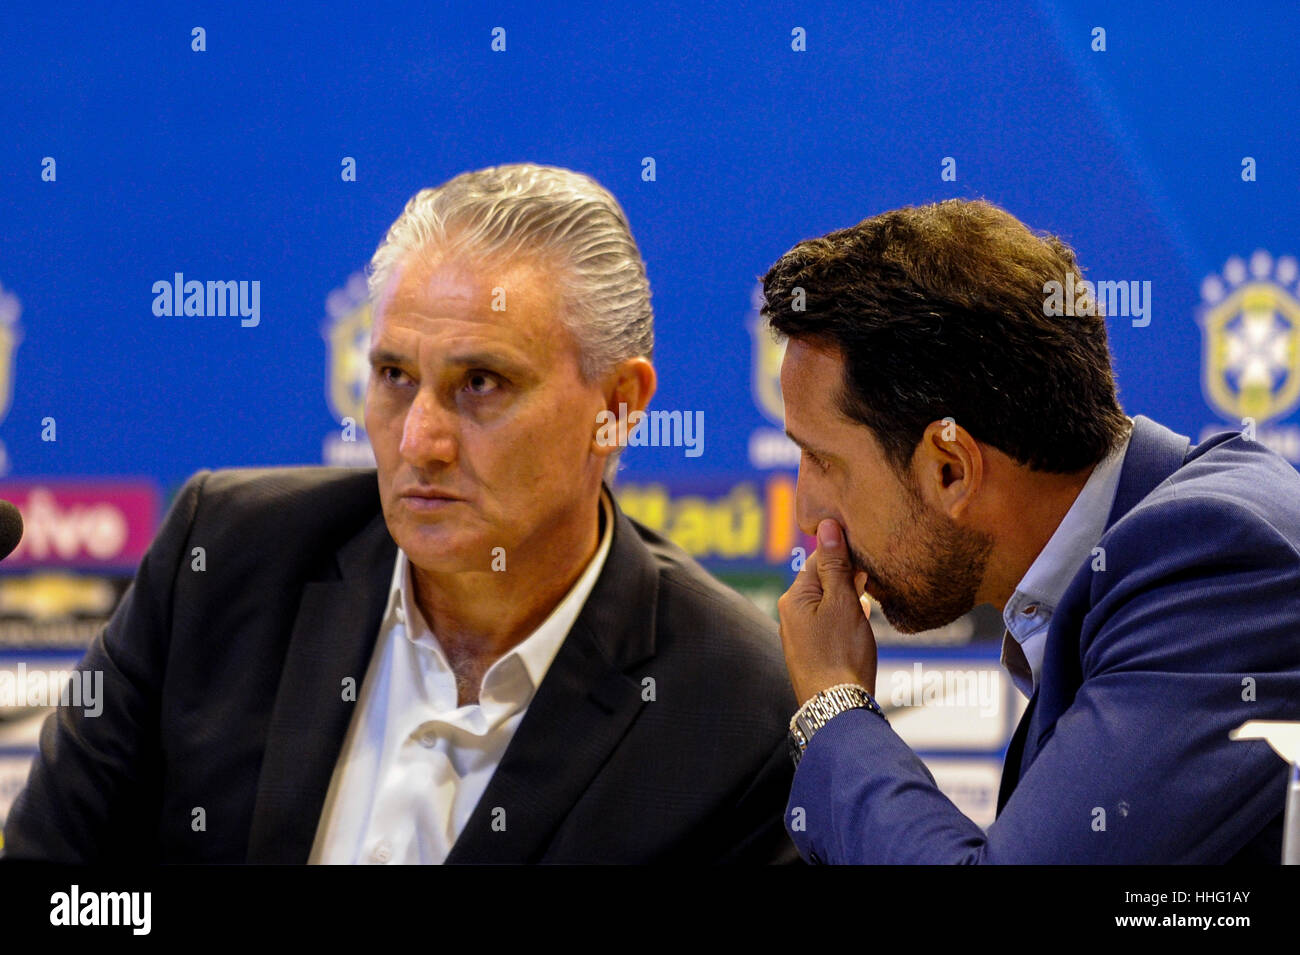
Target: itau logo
347	342
1250	323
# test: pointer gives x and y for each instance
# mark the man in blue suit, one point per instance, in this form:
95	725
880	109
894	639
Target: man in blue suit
962	444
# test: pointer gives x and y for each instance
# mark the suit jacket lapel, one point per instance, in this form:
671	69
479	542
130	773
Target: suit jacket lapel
1154	453
581	711
333	638
1015	754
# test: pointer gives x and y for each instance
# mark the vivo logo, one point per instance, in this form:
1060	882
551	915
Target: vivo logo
97	530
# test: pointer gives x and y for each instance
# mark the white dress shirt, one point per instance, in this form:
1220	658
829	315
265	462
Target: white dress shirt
414	764
1029	611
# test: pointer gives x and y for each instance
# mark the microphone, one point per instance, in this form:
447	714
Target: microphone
11	528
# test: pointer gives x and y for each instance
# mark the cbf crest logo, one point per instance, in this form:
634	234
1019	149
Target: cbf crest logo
10	336
765	378
1250	322
347	341
768	447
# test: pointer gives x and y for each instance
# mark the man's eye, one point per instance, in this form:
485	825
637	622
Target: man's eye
389	375
820	464
481	383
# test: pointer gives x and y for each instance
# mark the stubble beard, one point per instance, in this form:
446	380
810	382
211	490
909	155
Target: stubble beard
934	574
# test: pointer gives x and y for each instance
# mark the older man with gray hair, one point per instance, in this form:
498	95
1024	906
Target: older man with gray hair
466	654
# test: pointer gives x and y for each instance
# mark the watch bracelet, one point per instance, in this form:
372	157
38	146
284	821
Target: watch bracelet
824	706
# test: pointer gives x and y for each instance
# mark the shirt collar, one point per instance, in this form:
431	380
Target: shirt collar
536	651
1071	545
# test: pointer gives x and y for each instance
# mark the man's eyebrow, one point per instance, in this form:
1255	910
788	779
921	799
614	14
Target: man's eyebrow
807	447
484	360
489	360
381	356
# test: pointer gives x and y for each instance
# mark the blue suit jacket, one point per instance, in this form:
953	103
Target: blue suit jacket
1123	755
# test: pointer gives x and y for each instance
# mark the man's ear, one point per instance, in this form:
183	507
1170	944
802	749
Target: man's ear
948	466
627	388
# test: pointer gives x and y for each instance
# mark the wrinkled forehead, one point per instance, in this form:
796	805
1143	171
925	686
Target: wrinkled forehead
460	296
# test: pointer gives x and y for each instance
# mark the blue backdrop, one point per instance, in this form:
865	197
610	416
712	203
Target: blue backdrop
1164	149
216	140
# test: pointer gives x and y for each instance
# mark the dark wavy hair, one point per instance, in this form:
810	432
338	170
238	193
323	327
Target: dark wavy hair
939	311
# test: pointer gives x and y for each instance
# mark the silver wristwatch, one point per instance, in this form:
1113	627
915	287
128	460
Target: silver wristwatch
824	706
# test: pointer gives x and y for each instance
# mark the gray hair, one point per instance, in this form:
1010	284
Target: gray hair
525	210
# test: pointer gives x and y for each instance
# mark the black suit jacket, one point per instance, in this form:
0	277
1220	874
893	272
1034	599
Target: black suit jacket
224	711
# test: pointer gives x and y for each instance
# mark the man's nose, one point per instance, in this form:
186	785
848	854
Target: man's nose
429	431
809	508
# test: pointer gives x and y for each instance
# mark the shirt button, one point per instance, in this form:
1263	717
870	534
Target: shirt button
382	852
429	739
